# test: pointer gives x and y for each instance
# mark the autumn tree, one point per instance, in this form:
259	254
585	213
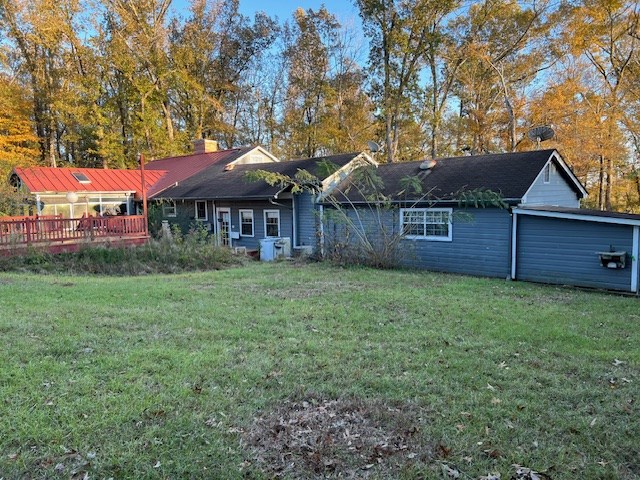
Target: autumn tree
18	143
603	33
505	45
44	34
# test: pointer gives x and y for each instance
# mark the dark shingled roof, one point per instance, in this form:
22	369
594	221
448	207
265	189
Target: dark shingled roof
215	183
510	174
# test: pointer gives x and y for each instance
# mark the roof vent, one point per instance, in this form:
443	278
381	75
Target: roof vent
427	165
229	167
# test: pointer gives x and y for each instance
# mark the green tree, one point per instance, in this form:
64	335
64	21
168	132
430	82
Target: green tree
401	35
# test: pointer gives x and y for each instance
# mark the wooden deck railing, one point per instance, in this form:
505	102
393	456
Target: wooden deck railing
20	231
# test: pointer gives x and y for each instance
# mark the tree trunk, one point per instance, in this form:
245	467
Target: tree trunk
52	141
167	117
601	184
435	120
608	184
389	138
512	123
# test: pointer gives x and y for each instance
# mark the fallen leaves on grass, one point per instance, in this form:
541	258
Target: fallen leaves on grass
491	476
524	473
450	472
320	438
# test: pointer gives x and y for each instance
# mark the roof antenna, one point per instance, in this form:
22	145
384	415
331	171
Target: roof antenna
541	134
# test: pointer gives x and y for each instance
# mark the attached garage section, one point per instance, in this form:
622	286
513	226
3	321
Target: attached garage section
576	247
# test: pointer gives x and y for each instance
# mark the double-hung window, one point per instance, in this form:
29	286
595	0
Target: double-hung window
426	223
201	210
169	209
272	223
246	223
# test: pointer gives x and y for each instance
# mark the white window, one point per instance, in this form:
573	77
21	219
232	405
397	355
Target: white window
547	173
201	210
246	223
426	223
272	223
169	209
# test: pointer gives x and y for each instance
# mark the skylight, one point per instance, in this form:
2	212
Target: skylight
81	177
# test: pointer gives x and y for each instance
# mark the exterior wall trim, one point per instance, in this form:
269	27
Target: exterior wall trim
573	216
514	245
634	261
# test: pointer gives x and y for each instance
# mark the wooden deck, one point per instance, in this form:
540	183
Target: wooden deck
58	234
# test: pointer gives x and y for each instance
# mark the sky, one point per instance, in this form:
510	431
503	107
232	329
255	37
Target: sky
344	10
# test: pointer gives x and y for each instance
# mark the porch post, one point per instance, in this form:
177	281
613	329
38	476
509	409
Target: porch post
144	197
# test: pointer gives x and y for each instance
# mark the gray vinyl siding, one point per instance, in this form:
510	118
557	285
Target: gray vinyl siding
479	246
556	193
258	207
561	251
306	219
185	218
185	214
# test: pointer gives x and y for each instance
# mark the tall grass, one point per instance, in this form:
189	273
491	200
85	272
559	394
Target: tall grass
191	252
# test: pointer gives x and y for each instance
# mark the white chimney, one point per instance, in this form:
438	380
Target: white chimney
204	145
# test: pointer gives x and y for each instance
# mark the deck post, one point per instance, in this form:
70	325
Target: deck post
27	222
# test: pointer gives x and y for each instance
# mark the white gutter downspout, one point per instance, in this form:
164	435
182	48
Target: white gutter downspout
634	259
295	223
214	230
514	245
321	229
38	204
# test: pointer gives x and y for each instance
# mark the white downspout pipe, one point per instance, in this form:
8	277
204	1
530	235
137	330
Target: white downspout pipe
634	259
514	245
294	240
214	230
321	230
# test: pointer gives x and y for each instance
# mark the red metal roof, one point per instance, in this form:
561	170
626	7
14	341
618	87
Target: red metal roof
49	179
180	168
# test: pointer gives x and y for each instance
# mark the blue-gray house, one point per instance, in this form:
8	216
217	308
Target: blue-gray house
242	212
513	215
540	233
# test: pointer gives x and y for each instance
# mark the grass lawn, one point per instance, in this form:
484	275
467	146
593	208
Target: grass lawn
209	375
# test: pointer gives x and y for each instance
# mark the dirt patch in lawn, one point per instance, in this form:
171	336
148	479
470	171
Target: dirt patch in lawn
336	438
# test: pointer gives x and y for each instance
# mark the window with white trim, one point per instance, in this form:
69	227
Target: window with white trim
272	223
201	210
547	173
246	223
426	223
169	209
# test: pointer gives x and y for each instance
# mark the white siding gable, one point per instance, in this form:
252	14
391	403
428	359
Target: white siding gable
556	192
257	155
